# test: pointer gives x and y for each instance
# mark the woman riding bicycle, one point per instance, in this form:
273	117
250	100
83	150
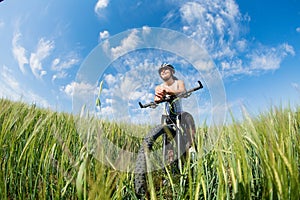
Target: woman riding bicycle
173	86
176	131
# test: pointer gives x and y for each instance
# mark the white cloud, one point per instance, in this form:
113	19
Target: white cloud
69	89
2	24
296	86
43	73
110	79
266	61
59	75
234	67
136	95
259	60
219	26
101	4
109	101
146	29
128	86
298	29
287	49
108	110
19	52
270	58
11	88
241	45
192	12
83	96
55	62
43	50
212	24
104	35
127	44
8	79
60	66
32	97
81	89
121	92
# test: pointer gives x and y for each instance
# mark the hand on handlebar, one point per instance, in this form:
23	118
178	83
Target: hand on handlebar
160	93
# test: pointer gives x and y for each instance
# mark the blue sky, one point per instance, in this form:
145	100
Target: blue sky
254	45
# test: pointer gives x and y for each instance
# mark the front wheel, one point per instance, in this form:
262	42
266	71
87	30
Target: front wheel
141	163
154	155
141	167
188	124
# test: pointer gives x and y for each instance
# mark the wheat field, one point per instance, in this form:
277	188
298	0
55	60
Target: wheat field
45	156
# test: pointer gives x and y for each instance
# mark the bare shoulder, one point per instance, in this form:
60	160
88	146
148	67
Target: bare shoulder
181	86
181	82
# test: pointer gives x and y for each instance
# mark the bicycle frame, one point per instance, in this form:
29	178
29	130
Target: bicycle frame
172	123
178	135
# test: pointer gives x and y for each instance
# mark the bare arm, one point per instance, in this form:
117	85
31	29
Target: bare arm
161	91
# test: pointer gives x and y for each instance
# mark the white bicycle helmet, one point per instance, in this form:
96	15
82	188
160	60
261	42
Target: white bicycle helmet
164	66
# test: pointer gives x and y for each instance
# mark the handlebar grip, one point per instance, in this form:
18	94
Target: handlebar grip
200	85
141	105
197	88
151	104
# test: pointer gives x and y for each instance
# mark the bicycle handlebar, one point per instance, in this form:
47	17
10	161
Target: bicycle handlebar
172	97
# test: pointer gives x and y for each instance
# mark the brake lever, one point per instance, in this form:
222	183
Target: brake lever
153	105
187	95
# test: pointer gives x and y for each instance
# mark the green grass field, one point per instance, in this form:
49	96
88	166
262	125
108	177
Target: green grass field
43	156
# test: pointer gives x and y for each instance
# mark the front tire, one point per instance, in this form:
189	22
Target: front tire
140	182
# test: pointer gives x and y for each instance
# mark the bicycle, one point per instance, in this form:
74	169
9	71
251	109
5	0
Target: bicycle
178	128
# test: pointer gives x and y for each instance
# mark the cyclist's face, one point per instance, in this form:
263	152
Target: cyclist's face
165	74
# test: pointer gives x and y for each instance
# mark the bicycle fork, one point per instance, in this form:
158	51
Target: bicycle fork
168	153
180	144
